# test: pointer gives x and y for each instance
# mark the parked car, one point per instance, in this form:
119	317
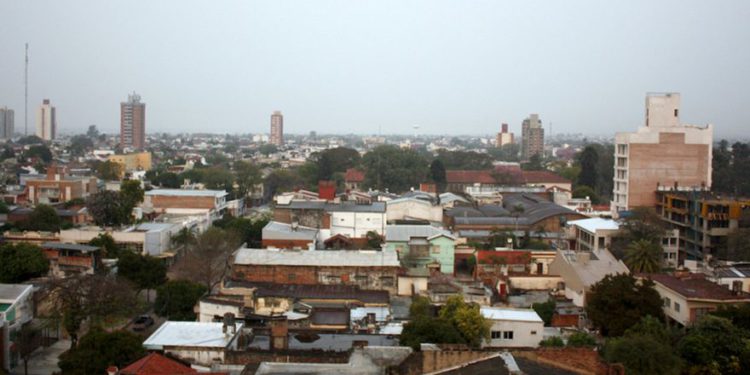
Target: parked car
142	322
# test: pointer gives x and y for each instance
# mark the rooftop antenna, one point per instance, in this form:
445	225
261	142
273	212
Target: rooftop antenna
26	94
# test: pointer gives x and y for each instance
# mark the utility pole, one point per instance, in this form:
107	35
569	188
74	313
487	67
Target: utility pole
26	94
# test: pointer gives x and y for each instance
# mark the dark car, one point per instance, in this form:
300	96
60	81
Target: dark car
142	322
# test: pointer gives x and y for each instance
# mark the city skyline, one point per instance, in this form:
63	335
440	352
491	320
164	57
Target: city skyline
452	70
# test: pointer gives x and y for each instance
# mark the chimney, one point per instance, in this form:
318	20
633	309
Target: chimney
583	257
327	190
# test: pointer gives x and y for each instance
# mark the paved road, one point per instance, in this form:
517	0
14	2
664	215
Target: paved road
44	360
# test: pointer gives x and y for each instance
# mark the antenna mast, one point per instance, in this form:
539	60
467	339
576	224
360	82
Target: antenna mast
26	94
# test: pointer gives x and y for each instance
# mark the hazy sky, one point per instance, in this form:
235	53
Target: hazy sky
457	67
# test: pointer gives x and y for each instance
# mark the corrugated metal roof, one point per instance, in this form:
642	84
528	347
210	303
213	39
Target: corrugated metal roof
402	233
9	293
519	315
69	246
197	334
187	193
341	258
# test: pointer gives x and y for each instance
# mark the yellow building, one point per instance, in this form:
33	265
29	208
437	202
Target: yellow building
140	161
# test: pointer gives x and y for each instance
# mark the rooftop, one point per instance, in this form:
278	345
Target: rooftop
156	364
340	258
196	334
275	230
187	193
317	291
403	233
696	287
593	224
599	264
518	315
9	293
69	246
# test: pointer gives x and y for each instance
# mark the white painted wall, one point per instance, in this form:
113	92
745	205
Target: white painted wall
525	334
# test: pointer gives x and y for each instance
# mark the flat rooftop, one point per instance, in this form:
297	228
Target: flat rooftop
195	334
341	258
517	315
187	193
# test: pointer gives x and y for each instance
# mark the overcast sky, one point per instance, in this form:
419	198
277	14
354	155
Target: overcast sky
455	67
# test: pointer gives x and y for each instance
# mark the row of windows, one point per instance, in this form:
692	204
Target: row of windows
668	302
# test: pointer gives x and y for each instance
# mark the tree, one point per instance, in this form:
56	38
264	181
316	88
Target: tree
643	256
43	218
144	271
642	355
107	243
41	152
588	159
535	163
207	260
100	349
80	144
109	170
167	180
467	160
552	342
96	298
467	319
545	310
374	240
21	262
736	247
184	238
334	160
249	231
583	191
175	300
28	339
131	194
92	132
389	167
108	209
714	345
218	178
437	174
281	180
640	224
581	340
268	149
739	315
248	176
3	207
617	302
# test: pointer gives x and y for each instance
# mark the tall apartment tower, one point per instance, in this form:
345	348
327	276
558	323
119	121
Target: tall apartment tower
133	122
277	129
503	138
46	121
6	123
532	137
664	154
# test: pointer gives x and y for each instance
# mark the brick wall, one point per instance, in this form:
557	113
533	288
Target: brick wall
310	275
300	356
286	244
166	201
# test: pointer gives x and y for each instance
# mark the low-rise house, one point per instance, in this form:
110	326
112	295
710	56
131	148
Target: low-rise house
689	296
422	246
153	239
67	258
211	203
422	207
129	163
732	276
56	187
157	364
346	218
354	178
197	342
16	309
289	236
370	270
582	269
513	327
593	233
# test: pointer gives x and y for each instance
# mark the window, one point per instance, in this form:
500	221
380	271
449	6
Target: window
533	332
497	334
667	302
676	307
386	280
676	112
507	335
436	249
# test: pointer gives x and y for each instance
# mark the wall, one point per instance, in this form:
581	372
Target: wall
413	209
408	286
534	282
525	334
201	356
161	202
357	224
298	356
208	310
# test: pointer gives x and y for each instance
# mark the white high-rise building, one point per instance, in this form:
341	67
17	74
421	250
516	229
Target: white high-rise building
6	123
46	122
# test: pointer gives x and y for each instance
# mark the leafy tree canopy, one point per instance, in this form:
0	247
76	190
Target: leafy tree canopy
21	262
43	218
99	349
617	302
393	168
175	299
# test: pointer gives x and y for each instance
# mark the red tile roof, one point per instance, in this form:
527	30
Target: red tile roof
354	175
156	364
537	177
503	256
695	286
469	177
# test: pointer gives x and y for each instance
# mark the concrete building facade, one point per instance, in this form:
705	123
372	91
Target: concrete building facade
663	153
504	137
133	122
139	161
46	121
277	129
532	137
6	123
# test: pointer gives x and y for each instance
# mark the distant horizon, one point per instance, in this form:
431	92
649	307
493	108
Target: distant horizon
333	65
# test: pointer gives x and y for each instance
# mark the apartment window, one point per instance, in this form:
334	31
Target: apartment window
676	112
507	335
676	307
667	302
497	335
533	332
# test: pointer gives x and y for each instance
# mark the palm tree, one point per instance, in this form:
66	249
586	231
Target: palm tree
643	256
